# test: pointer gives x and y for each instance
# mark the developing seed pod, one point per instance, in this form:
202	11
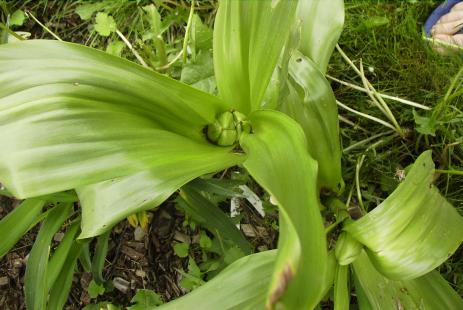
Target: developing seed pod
226	130
347	249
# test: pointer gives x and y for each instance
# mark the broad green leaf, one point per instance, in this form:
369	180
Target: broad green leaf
191	279
425	125
104	24
414	230
248	39
115	48
301	265
181	249
211	217
35	281
204	241
226	188
86	11
311	102
59	292
145	299
87	117
154	19
321	25
106	203
242	285
94	289
430	292
60	256
375	22
330	274
17	18
201	34
18	222
200	74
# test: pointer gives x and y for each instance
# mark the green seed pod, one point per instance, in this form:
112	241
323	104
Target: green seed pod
226	130
228	137
226	120
214	131
347	249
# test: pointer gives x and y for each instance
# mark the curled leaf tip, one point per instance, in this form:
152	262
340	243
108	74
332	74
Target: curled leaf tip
347	249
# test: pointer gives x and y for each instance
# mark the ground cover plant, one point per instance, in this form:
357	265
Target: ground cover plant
80	125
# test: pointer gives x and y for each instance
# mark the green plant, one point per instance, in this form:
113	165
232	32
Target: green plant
125	138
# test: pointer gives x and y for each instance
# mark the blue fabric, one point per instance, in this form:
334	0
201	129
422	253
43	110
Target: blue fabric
440	11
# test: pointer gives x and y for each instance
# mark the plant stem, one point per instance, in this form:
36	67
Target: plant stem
171	63
129	45
349	122
375	119
456	172
187	31
356	87
362	142
357	182
14	34
43	26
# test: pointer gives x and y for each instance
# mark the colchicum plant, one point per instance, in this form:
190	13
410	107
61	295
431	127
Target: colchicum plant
80	124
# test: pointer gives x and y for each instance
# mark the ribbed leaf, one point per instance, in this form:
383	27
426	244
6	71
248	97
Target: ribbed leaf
242	285
80	116
57	261
414	230
248	39
99	258
60	290
18	222
430	292
211	217
320	27
301	266
106	203
311	102
35	282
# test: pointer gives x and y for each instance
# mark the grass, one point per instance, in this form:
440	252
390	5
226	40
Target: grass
387	38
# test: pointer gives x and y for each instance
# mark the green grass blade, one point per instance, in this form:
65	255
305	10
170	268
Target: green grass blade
83	116
242	285
84	258
302	263
414	230
35	282
211	217
59	292
245	54
18	222
57	260
319	37
101	250
430	291
341	288
310	101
